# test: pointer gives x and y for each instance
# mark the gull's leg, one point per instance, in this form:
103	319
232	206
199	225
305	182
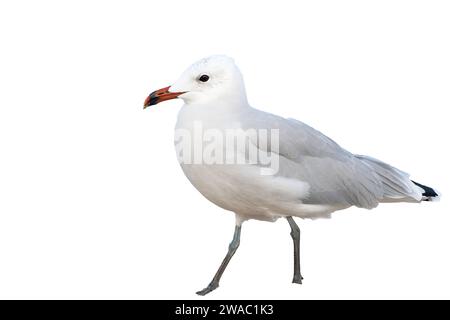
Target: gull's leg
295	234
231	250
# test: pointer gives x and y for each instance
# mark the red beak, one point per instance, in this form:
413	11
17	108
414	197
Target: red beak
160	96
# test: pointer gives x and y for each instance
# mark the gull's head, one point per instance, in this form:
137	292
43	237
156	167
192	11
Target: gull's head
210	80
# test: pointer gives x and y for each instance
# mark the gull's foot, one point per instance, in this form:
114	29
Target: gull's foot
208	289
297	279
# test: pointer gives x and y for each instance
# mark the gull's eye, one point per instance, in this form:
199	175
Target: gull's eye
203	78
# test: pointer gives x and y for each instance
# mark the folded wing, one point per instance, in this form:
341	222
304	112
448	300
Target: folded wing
335	175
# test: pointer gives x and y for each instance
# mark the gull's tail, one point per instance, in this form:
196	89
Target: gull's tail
397	187
428	194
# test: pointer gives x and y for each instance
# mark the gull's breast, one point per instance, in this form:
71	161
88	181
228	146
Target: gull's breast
243	190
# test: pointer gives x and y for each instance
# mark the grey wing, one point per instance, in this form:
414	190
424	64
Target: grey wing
335	175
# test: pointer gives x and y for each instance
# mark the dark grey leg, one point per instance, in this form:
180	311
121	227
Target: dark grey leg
231	250
295	234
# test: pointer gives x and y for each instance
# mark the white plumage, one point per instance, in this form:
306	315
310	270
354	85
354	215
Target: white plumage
314	177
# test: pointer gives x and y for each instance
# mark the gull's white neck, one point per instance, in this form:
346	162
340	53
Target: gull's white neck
215	113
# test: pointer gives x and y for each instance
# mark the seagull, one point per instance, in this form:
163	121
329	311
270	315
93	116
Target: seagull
313	176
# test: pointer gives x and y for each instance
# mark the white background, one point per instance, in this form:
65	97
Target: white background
94	205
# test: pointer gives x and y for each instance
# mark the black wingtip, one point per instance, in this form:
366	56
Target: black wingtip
429	192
